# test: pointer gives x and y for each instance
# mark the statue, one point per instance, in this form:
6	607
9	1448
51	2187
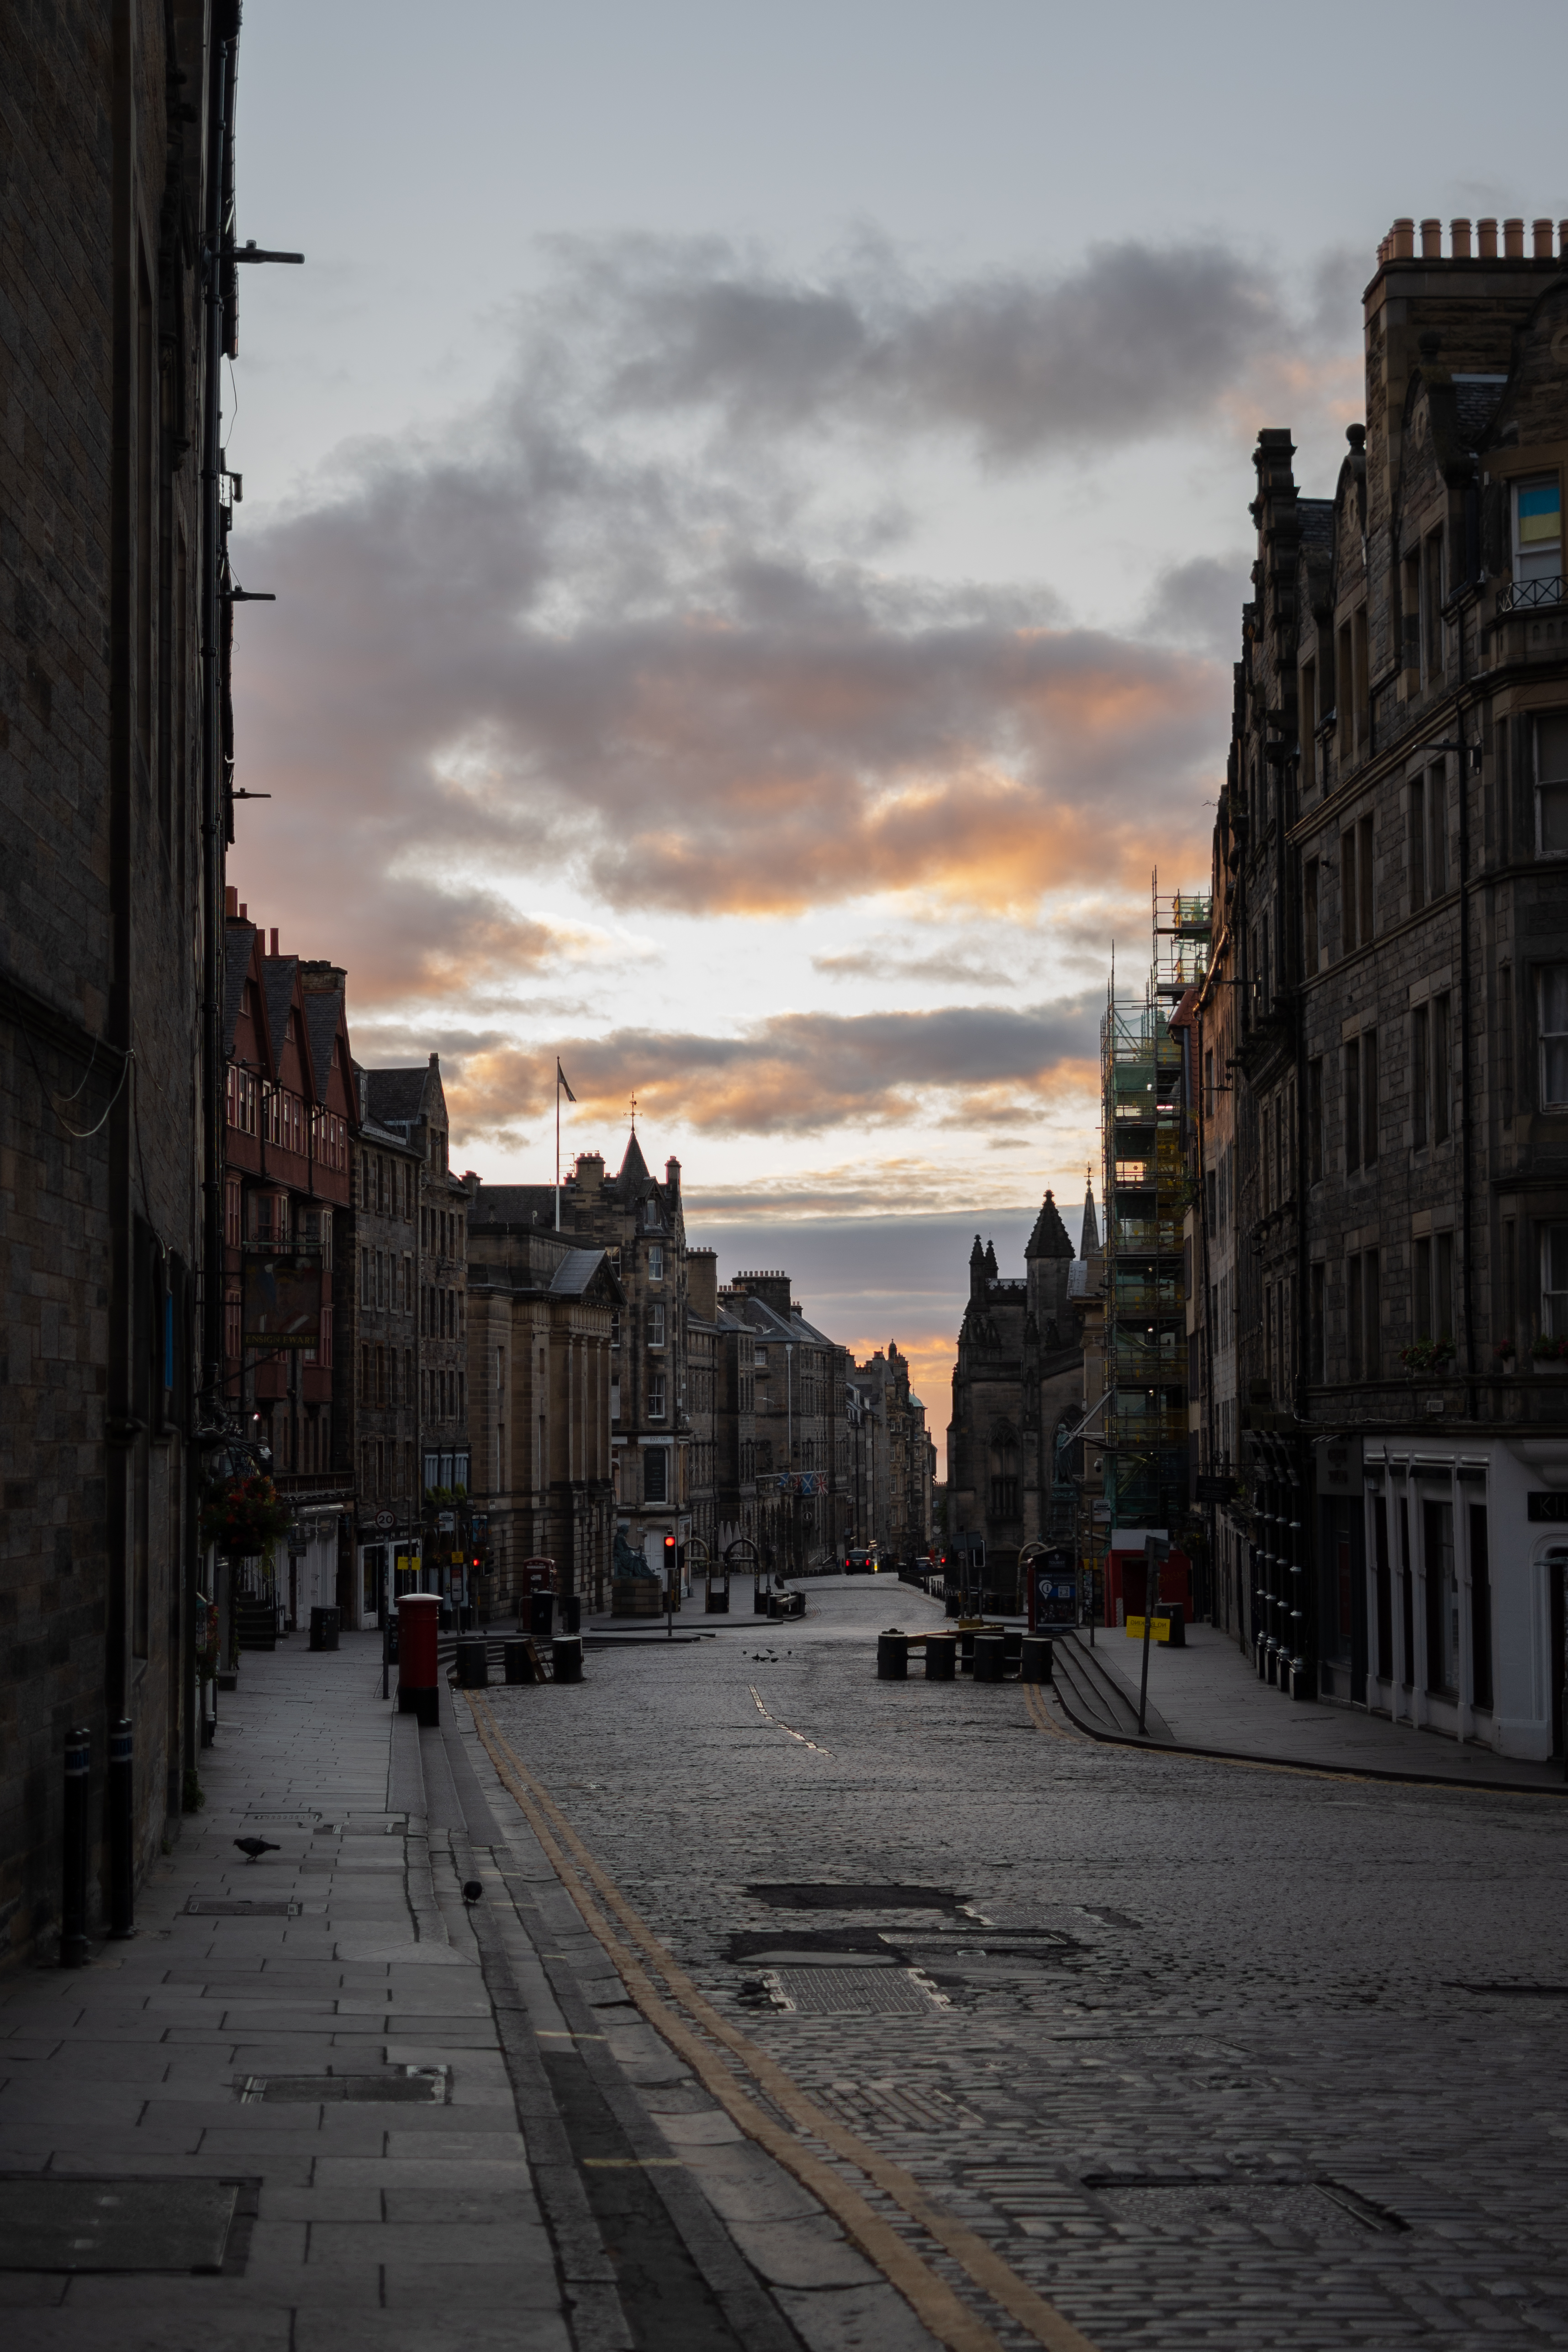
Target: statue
627	1561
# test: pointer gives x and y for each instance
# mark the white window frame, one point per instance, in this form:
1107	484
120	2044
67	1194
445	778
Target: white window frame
1554	1281
1545	562
657	1397
1556	786
656	1324
655	1261
1552	979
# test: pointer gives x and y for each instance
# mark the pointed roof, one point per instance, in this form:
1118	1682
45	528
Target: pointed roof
991	1266
1089	1243
634	1167
1050	1238
977	1255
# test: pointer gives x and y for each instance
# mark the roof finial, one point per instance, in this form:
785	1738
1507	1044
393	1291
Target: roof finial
634	1114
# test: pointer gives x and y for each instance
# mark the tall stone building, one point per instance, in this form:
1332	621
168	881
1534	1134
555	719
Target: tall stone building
889	1459
1018	1373
381	1285
791	1378
115	202
1391	876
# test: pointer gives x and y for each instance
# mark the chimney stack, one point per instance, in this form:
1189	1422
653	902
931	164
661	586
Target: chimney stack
590	1170
273	949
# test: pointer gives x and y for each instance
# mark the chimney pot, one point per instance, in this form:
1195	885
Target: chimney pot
1486	231
1541	234
1403	239
1431	240
1460	239
230	899
1513	240
244	912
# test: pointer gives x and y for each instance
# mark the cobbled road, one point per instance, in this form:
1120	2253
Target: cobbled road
1212	2055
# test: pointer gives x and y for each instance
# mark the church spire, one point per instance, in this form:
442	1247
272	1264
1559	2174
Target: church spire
1089	1245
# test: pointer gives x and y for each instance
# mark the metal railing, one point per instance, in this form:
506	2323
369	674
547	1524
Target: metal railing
1533	596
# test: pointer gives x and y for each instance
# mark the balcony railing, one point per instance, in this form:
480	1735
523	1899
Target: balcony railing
1533	596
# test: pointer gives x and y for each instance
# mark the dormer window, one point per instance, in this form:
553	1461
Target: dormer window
650	1216
1538	528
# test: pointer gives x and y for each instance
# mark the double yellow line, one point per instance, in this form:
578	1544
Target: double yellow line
694	2029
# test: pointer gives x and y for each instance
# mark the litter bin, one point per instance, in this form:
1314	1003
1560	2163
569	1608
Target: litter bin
417	1692
1172	1612
953	1602
990	1657
570	1613
516	1662
540	1614
941	1656
1035	1659
892	1656
324	1624
568	1650
473	1667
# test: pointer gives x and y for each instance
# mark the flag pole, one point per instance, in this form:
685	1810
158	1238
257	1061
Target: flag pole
558	1143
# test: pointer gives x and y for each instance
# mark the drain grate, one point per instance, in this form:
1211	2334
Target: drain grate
400	2087
793	1894
218	1906
1181	2205
58	2224
845	1993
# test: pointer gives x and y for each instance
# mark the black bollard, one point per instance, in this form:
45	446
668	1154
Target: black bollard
941	1656
568	1648
518	1663
572	1612
473	1664
120	1794
540	1610
892	1656
990	1657
966	1650
1035	1659
952	1603
73	1893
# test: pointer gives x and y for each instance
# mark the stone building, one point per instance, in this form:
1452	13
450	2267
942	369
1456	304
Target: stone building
541	1316
734	1428
290	1121
889	1459
116	138
705	1386
381	1282
1390	869
1018	1373
792	1378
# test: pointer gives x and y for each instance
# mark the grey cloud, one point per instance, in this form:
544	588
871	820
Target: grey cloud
1199	603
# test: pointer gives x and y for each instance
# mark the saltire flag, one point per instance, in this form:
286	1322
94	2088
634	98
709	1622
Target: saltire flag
561	1080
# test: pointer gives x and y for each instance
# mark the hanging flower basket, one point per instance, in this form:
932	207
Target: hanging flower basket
245	1516
1548	1351
1428	1356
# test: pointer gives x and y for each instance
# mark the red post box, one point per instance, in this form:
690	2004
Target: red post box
418	1689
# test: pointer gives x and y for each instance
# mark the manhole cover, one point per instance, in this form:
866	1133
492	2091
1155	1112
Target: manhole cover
215	1906
401	2086
791	1895
59	2224
841	1992
1179	2206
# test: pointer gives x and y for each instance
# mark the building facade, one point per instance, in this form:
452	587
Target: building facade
889	1461
1018	1376
791	1379
379	1287
1391	870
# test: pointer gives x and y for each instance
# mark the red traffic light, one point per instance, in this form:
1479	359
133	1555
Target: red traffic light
670	1547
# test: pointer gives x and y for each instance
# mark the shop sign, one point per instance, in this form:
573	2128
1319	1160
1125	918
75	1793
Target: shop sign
1549	1504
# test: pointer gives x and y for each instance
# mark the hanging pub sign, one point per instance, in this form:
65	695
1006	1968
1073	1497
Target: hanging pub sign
1053	1591
282	1303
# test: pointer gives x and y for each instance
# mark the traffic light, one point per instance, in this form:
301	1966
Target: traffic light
671	1562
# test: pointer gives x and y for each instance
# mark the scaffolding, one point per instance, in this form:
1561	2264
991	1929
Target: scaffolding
1144	1191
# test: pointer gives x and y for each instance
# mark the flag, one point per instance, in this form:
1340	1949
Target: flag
560	1079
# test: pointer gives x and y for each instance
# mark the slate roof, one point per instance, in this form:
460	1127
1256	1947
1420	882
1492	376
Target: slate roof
1477	399
321	1010
634	1167
277	977
514	1204
1050	1238
396	1096
575	1272
1317	519
239	939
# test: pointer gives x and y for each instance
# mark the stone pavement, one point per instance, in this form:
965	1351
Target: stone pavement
434	2124
1208	1695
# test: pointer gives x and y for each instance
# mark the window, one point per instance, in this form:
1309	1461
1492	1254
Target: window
1551	785
1437	833
1309	914
1441	1078
1443	1286
1537	528
656	1325
1352	1105
233	1224
1383	1574
655	1396
1416	832
1307	725
1432	606
1442	1599
1363	1317
1551	1012
1421	1287
655	1474
1211	1200
407	1284
1316	1302
615	1399
1554	1281
1353	1315
1348	896
1266	1159
1315	1118
650	1216
1365	879
655	1262
1420	1077
1208	1097
1362	683
1505	1039
1367	1105
1344	697
1410	614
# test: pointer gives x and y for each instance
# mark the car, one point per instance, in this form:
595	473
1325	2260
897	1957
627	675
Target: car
861	1563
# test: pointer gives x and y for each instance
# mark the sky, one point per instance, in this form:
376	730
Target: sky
757	503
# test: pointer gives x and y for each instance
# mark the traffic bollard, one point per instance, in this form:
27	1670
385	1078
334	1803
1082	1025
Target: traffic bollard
1035	1659
990	1657
892	1656
120	1796
473	1664
568	1650
73	1892
941	1656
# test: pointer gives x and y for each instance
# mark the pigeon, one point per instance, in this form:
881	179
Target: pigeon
254	1848
472	1890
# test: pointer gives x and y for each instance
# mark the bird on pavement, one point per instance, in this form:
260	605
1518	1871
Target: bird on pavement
472	1890
254	1848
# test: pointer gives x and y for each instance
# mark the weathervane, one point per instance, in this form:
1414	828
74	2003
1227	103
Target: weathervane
634	1114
